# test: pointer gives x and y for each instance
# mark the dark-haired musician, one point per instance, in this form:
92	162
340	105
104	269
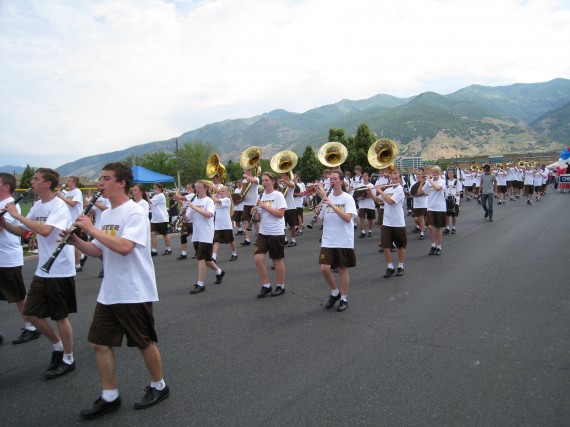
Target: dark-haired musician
366	211
51	294
73	198
125	300
436	208
337	247
453	192
291	211
249	203
159	220
419	209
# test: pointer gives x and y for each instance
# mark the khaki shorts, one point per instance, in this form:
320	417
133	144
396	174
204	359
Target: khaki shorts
275	245
12	288
52	297
112	322
396	235
339	257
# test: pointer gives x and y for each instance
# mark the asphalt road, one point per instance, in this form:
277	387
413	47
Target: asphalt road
477	336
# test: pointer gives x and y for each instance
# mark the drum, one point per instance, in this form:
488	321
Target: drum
450	203
415	188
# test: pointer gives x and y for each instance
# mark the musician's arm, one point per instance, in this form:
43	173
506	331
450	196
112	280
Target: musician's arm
201	211
42	229
345	216
116	244
279	213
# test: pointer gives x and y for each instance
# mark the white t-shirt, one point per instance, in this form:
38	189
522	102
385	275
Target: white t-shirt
501	177
97	212
76	196
436	198
144	204
251	196
203	227
519	174
289	198
128	279
366	203
158	208
223	220
537	179
529	177
357	181
511	174
271	225
300	199
54	213
454	188
11	253
336	232
394	214
420	202
468	179
189	212
240	205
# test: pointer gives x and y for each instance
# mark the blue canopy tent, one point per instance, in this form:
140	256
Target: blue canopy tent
146	176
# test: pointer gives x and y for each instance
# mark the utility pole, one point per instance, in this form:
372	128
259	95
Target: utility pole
177	166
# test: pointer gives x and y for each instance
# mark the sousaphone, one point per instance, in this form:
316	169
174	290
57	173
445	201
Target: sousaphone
214	167
249	159
284	162
382	153
332	154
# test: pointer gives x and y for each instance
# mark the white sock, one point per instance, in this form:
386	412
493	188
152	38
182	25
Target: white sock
183	252
30	327
77	265
159	385
280	286
401	265
218	271
391	266
439	247
267	285
82	256
214	257
234	253
344	298
110	395
68	358
334	293
58	346
200	283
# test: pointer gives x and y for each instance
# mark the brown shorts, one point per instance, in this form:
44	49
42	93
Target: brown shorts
203	250
365	213
520	185
223	236
237	216
417	212
380	216
537	188
502	189
246	214
339	257
543	187
275	245
187	228
510	184
437	219
51	297
300	212
470	188
111	322
396	235
529	189
159	227
291	219
12	288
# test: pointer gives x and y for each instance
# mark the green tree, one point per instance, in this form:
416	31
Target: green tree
132	160
159	161
358	148
309	166
26	179
193	157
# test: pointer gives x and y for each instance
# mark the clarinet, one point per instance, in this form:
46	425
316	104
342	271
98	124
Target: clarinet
17	200
47	266
181	214
318	210
249	226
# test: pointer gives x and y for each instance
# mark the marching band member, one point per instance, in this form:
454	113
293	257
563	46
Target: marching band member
337	245
394	224
238	210
186	229
270	212
511	180
501	175
538	183
419	209
477	184
357	178
73	198
528	179
454	188
141	198
519	173
223	231
299	201
348	182
487	190
291	211
159	220
434	188
468	184
383	179
366	209
203	235
249	203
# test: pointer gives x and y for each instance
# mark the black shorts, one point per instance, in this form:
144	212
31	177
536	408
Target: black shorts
300	212
529	189
203	251
537	188
502	189
275	245
159	227
436	219
396	235
455	211
223	236
510	184
339	257
111	322
237	216
519	185
366	213
291	219
417	212
51	297
246	214
12	288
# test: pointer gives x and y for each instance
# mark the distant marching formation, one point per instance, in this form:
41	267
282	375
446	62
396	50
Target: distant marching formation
128	221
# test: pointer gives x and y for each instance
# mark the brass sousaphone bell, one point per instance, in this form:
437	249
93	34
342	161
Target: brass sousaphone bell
284	162
214	167
382	153
250	159
332	154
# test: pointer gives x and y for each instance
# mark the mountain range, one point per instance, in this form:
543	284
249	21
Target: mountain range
476	120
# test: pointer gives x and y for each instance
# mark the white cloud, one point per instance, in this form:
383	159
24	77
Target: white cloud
82	78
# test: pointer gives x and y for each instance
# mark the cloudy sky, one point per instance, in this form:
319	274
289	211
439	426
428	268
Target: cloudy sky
79	78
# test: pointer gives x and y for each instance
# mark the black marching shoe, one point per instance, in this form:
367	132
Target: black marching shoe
342	305
219	277
56	359
400	271
389	272
264	292
245	243
153	253
59	371
167	252
332	301
179	257
233	258
446	231
416	230
279	290
438	251
26	336
151	397
362	235
292	244
101	274
83	260
100	407
432	250
422	237
197	289
453	231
